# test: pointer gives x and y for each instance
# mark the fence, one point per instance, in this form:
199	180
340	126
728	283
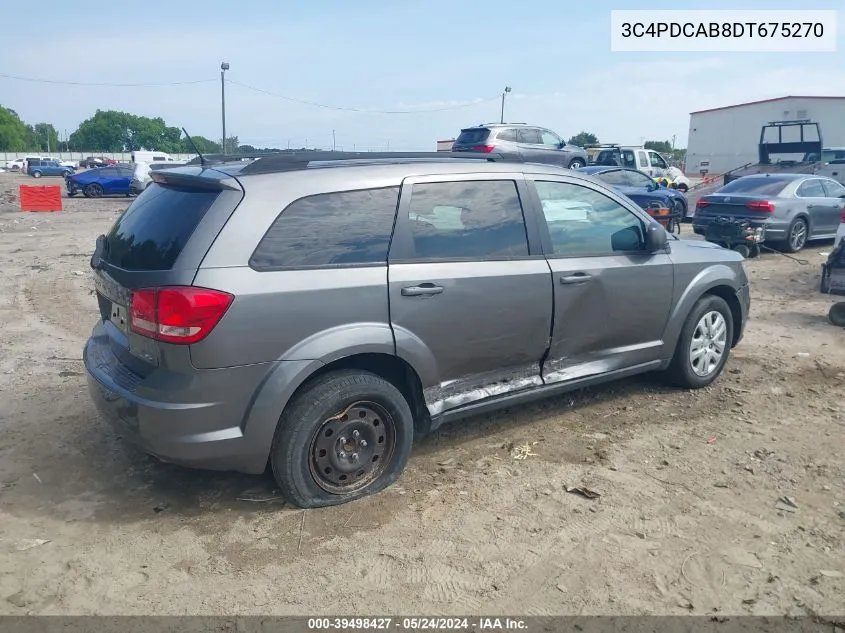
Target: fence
121	157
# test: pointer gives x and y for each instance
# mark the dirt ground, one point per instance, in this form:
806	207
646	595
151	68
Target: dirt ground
689	481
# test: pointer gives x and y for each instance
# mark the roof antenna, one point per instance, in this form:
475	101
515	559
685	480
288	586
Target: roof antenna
194	145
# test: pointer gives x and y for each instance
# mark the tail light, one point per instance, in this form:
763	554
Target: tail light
842	217
702	203
483	148
177	314
761	205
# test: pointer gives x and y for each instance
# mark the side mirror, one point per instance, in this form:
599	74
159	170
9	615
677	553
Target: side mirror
656	237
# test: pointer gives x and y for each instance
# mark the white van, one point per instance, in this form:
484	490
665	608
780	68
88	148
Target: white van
151	157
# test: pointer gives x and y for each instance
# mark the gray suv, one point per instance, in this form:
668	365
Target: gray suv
314	312
527	142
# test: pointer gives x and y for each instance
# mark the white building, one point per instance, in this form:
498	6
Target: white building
728	137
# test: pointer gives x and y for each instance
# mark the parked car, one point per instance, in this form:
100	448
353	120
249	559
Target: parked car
100	181
39	168
32	159
641	188
96	161
141	156
314	319
791	208
15	165
531	143
840	230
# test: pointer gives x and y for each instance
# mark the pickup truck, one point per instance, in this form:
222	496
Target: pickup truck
648	161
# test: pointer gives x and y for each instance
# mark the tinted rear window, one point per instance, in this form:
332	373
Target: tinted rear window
756	186
473	135
152	232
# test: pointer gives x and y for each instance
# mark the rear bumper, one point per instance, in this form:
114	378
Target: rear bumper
194	419
775	231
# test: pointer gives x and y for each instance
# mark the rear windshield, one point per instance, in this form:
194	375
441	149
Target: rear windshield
757	186
473	135
152	232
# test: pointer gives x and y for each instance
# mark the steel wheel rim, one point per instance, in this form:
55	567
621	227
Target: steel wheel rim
708	344
798	235
352	449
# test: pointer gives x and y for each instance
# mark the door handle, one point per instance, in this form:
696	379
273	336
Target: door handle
578	278
422	290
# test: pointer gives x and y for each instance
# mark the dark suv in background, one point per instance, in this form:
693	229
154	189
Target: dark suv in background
530	143
316	311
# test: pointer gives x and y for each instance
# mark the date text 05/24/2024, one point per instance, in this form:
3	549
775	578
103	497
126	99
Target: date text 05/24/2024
417	624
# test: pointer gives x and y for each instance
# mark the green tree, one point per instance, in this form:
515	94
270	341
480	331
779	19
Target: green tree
45	137
13	131
113	131
244	149
583	139
204	145
232	145
664	147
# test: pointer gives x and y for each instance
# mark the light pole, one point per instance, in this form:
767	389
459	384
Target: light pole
223	68
507	90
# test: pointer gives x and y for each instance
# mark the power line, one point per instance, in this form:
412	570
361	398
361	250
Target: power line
364	110
113	85
248	87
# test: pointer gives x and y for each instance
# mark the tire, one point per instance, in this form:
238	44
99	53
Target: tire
680	210
743	250
36	174
93	190
683	187
308	467
576	163
794	242
71	194
682	372
836	314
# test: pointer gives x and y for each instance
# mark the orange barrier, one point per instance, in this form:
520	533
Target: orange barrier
41	197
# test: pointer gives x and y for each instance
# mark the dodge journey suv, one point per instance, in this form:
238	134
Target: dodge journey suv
315	312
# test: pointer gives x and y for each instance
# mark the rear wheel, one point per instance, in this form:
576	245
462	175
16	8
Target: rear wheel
704	344
93	190
683	187
797	236
345	436
36	174
576	163
743	250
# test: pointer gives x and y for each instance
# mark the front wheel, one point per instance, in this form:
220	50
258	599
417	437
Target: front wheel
346	435
36	174
704	344
576	163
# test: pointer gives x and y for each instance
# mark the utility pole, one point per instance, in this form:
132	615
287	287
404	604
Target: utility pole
507	90
334	145
673	142
223	68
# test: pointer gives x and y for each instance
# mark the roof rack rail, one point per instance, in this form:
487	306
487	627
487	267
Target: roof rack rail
593	145
293	161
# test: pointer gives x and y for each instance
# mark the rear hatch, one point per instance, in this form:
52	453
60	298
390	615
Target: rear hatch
473	139
145	265
753	198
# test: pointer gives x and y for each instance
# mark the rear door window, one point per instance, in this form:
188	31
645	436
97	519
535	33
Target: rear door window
530	136
467	220
330	229
152	232
508	134
811	189
833	189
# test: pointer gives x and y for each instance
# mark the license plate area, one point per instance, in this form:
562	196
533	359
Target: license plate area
119	316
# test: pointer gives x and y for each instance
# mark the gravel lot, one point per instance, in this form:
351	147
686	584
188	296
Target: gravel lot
686	523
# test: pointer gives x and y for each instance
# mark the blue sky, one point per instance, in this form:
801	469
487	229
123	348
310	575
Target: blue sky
374	54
